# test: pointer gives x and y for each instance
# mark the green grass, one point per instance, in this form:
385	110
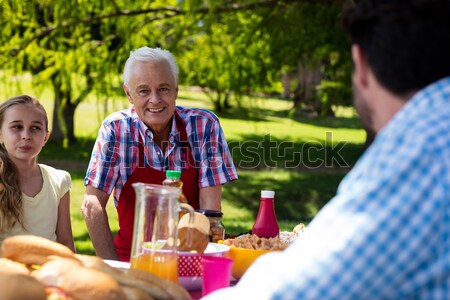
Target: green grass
302	159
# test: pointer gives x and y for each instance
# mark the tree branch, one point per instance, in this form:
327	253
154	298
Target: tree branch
167	12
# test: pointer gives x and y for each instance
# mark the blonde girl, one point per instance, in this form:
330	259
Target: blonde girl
34	198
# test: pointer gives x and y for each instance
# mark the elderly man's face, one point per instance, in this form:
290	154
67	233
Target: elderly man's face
153	91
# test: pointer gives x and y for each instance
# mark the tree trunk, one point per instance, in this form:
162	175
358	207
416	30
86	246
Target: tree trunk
286	82
299	96
308	77
63	128
218	103
57	133
226	101
300	90
68	113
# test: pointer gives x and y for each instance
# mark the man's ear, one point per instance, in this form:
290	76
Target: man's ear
360	67
127	92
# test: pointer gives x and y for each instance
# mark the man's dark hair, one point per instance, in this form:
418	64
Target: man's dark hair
406	42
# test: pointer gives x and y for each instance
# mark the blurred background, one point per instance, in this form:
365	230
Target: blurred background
277	73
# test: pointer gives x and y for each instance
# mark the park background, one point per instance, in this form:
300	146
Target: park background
277	73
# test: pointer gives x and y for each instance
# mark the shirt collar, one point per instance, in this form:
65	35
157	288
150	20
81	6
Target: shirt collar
174	135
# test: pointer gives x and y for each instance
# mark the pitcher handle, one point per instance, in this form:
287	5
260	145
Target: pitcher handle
190	210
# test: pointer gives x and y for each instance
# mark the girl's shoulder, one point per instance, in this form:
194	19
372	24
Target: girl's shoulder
55	174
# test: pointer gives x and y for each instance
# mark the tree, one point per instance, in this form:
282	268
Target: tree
224	60
245	52
78	47
308	43
47	39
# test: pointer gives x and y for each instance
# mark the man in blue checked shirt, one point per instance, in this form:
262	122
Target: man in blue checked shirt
386	234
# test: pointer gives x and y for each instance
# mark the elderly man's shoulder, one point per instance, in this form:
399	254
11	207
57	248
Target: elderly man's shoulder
121	115
187	113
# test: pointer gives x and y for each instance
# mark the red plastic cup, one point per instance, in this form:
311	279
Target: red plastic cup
216	273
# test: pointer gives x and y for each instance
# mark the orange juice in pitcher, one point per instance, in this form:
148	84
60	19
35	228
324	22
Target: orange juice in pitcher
161	264
154	247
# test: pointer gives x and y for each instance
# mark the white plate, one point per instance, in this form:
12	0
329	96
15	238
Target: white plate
211	249
117	264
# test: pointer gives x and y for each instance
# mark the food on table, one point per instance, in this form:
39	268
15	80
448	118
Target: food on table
78	281
216	227
56	293
193	234
31	249
136	294
53	271
10	265
15	285
243	258
289	237
299	228
246	248
174	290
252	241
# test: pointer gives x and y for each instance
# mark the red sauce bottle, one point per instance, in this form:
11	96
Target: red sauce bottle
266	224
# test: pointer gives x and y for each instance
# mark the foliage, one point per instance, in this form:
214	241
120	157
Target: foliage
49	40
229	48
310	35
230	62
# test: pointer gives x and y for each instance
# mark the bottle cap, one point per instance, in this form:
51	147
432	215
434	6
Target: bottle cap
172	174
267	194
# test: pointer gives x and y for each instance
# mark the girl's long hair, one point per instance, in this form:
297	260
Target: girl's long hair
11	207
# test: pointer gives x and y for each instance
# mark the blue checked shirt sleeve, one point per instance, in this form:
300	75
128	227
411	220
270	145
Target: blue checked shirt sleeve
386	233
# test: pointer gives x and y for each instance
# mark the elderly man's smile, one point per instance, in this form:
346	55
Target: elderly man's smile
156	110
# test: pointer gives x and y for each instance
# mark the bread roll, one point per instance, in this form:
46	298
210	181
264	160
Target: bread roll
175	290
95	262
78	281
88	284
33	250
7	264
153	291
193	235
18	286
136	294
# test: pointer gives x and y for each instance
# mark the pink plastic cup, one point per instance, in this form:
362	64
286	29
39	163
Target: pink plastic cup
216	273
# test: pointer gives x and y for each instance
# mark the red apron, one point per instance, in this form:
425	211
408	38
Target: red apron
127	199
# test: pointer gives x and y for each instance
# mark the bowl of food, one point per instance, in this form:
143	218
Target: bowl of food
190	269
243	258
246	248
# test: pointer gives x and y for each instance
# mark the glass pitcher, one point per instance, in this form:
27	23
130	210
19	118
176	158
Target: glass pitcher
154	246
